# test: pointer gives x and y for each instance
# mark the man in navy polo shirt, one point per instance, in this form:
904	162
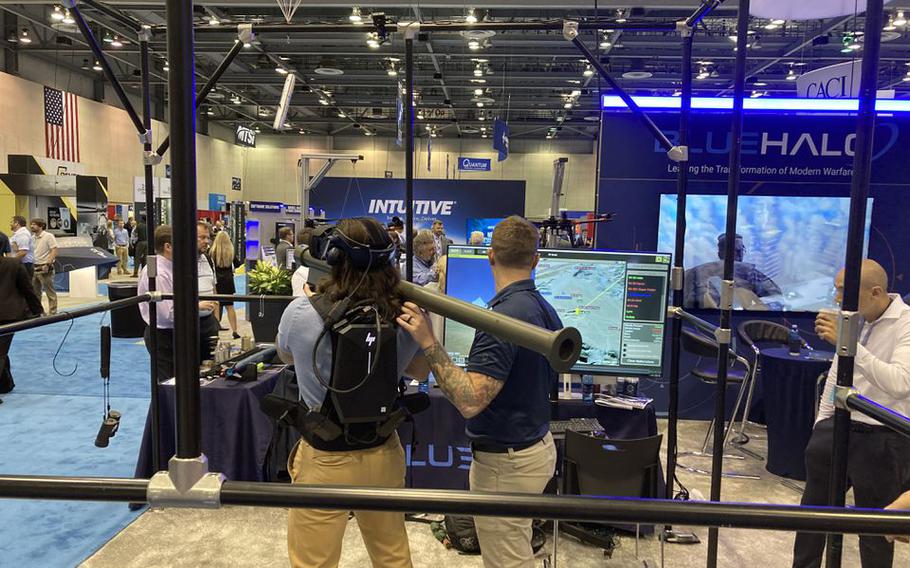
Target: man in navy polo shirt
504	393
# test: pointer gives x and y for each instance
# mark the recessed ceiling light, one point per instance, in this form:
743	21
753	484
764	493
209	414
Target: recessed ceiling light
479	81
478	92
356	17
24	37
97	66
116	42
57	14
900	20
471	16
328	71
67	18
214	21
281	70
588	72
637	75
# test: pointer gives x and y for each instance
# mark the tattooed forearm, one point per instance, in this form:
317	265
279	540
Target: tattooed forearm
469	392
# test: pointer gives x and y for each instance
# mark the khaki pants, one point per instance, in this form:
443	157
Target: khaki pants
506	542
45	280
315	536
123	253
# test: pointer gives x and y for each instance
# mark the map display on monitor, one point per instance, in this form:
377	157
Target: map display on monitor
616	300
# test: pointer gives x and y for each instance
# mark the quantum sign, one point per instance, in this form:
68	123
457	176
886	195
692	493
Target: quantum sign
245	136
474	164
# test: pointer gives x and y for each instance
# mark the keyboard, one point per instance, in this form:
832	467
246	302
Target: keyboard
576	425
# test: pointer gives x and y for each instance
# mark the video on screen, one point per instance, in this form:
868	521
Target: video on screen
616	300
787	252
483	225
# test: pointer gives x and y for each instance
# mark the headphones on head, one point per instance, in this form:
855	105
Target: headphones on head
362	256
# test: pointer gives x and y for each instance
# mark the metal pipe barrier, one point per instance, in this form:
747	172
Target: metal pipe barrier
558	507
849	399
849	326
68	315
545	25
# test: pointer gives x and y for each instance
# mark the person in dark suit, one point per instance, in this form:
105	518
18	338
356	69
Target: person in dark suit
19	302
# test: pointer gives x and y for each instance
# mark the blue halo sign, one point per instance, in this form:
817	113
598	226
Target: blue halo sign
474	164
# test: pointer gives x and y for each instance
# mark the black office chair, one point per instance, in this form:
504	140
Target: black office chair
613	468
707	348
756	334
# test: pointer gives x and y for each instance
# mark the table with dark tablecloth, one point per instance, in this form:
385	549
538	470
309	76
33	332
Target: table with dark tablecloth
235	432
789	384
441	456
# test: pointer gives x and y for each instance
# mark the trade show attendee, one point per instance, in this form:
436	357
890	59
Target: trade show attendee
362	457
45	255
284	250
139	238
302	274
218	226
878	459
440	241
19	302
5	247
902	503
476	238
425	259
208	321
504	392
164	282
21	244
223	258
122	247
703	282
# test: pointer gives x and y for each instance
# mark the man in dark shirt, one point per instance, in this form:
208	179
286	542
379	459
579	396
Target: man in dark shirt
139	239
284	250
504	393
19	302
5	248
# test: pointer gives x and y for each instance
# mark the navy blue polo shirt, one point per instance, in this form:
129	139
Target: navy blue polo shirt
520	413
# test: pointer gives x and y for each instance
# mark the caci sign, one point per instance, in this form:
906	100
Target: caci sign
839	81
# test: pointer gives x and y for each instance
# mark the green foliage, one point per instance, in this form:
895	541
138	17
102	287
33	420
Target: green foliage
269	280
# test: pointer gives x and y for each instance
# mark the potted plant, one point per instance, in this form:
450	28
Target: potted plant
264	316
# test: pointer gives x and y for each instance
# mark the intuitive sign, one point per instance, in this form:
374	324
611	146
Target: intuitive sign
245	136
839	81
474	164
266	206
236	184
217	201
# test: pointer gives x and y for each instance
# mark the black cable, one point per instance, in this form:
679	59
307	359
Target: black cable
57	354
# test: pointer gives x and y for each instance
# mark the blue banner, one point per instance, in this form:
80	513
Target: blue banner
474	164
451	201
501	139
217	201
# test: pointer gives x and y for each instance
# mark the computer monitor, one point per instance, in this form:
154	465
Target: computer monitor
617	300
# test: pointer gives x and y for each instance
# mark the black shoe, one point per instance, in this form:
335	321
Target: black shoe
236	335
223	328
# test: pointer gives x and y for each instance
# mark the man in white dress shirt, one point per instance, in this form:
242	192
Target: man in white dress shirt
878	462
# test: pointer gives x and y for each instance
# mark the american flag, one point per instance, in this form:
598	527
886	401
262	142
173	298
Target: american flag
61	125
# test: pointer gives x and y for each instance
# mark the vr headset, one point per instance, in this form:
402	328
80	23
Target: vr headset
330	244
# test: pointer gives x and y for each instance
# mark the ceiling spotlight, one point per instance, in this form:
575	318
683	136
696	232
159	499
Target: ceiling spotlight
760	84
356	17
605	43
393	72
341	114
166	67
567	105
474	45
478	92
263	111
478	71
890	27
67	18
900	20
210	112
906	77
281	70
677	93
367	132
24	37
247	45
116	42
287	125
98	68
373	40
479	81
235	99
107	38
589	71
703	73
257	130
756	43
620	17
214	21
57	14
420	115
471	16
324	102
479	104
791	75
481	117
757	94
301	131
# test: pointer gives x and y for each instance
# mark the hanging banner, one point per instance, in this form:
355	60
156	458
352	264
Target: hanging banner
839	81
217	201
501	139
474	164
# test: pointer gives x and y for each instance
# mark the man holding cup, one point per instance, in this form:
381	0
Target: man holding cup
878	459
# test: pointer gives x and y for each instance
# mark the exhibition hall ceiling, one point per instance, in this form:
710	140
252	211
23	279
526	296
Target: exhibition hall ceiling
536	80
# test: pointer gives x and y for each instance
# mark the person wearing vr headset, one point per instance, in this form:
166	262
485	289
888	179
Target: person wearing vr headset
349	356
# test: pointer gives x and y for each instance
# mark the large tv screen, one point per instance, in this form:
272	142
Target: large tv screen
790	249
482	224
616	300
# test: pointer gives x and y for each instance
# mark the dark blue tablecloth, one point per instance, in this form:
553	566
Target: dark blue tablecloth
441	457
789	385
235	433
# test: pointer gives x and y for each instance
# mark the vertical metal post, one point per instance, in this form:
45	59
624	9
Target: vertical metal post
182	114
304	191
859	192
682	184
726	302
145	37
409	155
